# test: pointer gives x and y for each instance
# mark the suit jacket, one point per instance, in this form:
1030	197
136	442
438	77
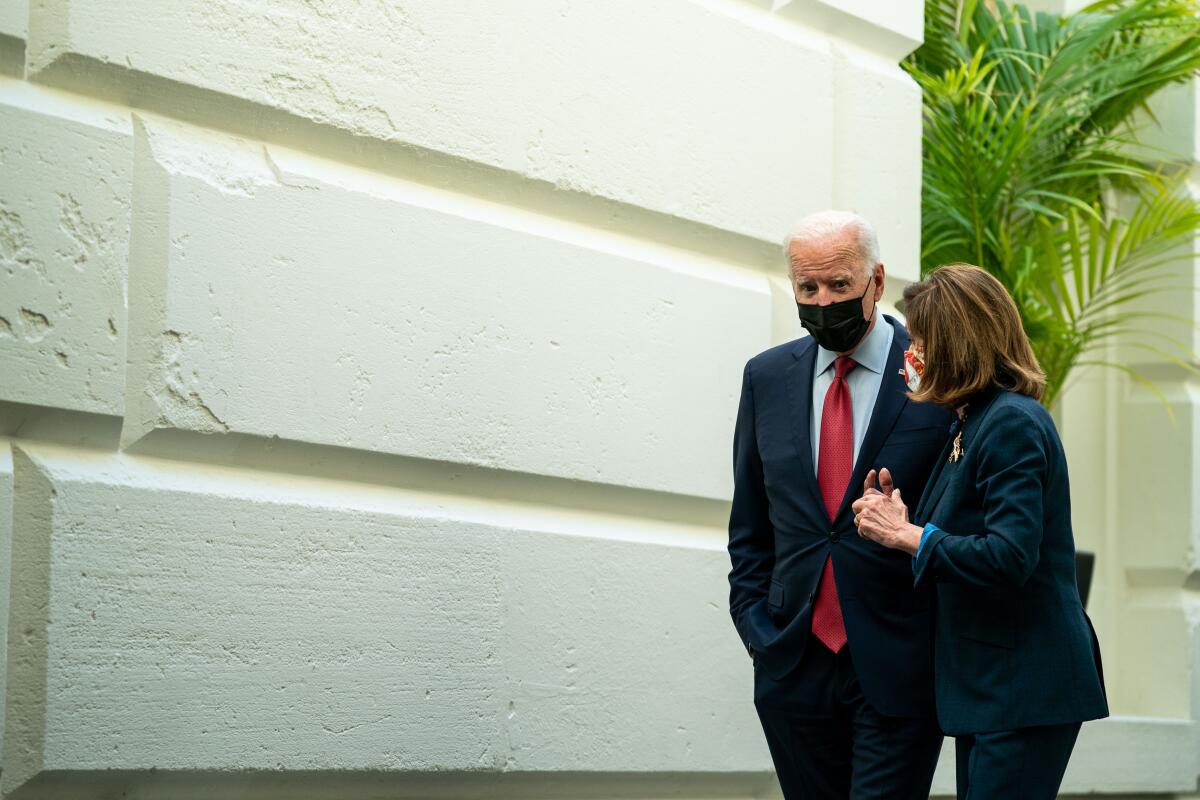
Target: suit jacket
780	534
1013	647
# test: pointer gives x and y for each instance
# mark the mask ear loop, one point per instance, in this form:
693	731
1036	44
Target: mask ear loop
874	303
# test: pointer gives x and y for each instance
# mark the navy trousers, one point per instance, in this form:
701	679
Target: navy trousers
828	743
1028	763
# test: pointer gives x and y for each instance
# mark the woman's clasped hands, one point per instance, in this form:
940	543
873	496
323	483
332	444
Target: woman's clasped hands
881	515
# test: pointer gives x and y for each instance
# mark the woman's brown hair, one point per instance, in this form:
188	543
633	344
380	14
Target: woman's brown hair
972	335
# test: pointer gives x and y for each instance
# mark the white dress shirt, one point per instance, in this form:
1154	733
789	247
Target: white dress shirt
864	381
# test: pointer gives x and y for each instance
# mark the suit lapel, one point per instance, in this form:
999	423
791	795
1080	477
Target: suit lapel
940	479
799	381
890	401
935	486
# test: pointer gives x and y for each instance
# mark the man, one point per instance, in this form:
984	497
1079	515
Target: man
839	637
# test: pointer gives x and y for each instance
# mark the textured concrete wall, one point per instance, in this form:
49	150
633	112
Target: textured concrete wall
64	239
369	371
256	620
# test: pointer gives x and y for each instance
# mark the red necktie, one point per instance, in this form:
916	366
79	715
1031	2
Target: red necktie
835	464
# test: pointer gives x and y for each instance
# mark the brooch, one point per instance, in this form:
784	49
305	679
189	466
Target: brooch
956	450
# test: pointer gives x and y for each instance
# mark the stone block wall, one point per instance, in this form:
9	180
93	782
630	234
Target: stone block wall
369	372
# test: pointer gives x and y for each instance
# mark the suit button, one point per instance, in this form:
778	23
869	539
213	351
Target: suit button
835	537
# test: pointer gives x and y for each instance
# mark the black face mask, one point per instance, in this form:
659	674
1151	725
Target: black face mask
838	327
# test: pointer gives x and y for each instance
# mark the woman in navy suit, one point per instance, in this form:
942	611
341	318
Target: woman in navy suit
1016	663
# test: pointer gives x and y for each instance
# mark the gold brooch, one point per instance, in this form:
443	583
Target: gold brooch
957	450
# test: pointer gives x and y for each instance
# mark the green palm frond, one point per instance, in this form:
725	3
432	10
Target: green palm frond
1030	153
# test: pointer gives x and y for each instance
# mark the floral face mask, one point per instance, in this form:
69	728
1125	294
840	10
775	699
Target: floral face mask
914	368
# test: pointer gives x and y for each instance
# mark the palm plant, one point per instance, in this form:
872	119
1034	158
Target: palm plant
1033	167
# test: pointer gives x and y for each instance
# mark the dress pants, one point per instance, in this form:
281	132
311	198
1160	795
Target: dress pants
829	743
1028	763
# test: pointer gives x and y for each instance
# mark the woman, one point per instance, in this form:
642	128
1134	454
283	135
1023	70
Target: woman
1016	663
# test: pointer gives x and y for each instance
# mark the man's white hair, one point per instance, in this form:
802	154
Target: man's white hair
824	224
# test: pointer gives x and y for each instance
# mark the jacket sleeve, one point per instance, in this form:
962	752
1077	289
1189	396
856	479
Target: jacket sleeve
1011	469
751	537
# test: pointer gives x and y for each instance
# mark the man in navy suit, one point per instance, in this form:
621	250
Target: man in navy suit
839	637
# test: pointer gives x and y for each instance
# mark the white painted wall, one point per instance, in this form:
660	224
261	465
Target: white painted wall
1135	468
1135	486
372	370
369	371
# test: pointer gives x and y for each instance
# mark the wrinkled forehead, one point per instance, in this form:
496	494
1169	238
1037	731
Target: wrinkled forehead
835	255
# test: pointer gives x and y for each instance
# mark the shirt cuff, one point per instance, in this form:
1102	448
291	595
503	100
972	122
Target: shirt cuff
929	528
